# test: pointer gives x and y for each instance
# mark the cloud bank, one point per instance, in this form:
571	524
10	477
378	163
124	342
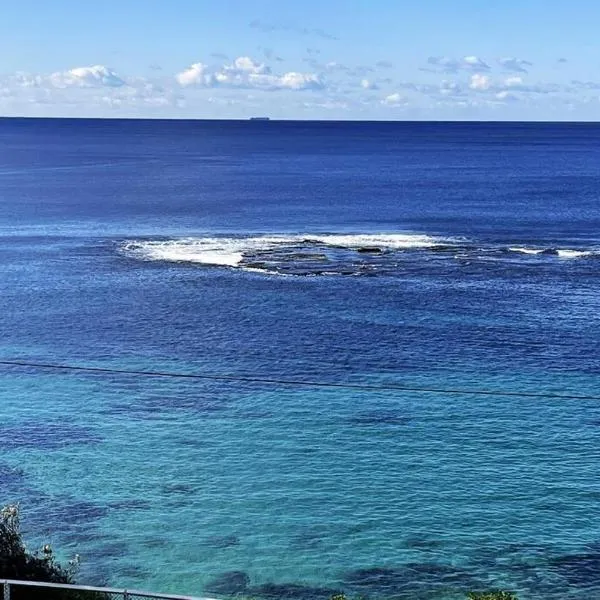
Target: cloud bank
247	73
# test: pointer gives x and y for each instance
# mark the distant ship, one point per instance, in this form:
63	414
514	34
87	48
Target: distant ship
259	118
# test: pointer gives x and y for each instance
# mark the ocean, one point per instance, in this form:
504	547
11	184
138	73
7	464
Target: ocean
409	265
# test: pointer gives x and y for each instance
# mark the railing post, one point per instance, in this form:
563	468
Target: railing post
125	595
6	590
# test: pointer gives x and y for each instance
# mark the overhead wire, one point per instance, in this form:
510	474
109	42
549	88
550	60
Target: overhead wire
366	387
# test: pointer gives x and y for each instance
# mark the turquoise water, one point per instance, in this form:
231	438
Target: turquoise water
489	489
369	254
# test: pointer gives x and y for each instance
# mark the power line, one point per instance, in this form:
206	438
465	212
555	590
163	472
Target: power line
388	387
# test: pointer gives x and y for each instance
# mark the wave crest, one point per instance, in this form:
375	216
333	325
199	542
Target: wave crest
233	251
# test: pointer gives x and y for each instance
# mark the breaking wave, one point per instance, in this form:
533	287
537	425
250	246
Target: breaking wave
560	252
327	254
575	253
526	250
249	251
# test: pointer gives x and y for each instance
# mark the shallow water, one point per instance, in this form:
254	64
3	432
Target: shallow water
428	256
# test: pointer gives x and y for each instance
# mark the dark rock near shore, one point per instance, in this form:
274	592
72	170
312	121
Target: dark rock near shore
292	591
413	580
230	583
579	569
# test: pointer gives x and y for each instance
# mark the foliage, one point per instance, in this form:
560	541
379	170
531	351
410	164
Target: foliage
17	563
492	595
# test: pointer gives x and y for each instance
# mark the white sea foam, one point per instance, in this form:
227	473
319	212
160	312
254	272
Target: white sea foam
565	253
206	251
526	250
561	252
230	251
392	240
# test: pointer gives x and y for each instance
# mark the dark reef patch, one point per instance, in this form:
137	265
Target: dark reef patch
158	407
422	543
10	475
131	504
222	541
110	550
74	521
413	580
178	489
231	583
579	569
155	542
78	536
82	512
46	436
308	538
291	591
132	572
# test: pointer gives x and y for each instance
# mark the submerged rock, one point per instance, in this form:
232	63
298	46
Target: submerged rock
413	580
222	541
133	572
579	569
81	511
178	488
46	436
10	474
306	256
230	583
370	250
293	591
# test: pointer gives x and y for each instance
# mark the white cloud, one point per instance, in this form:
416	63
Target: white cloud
196	74
586	85
513	81
95	76
475	62
367	84
480	82
333	65
447	64
299	81
25	80
249	65
395	99
236	87
450	88
505	96
515	65
245	72
328	105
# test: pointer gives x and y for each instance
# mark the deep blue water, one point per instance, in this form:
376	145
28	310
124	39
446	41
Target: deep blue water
428	255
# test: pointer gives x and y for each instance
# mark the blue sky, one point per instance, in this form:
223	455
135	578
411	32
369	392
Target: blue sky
328	59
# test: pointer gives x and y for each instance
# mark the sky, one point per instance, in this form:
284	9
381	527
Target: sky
316	59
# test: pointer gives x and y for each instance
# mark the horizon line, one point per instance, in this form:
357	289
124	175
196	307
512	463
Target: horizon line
265	121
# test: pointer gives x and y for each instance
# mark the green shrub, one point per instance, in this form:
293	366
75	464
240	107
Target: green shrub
492	595
17	563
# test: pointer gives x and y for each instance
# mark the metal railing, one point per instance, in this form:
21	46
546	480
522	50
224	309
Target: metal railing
22	590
